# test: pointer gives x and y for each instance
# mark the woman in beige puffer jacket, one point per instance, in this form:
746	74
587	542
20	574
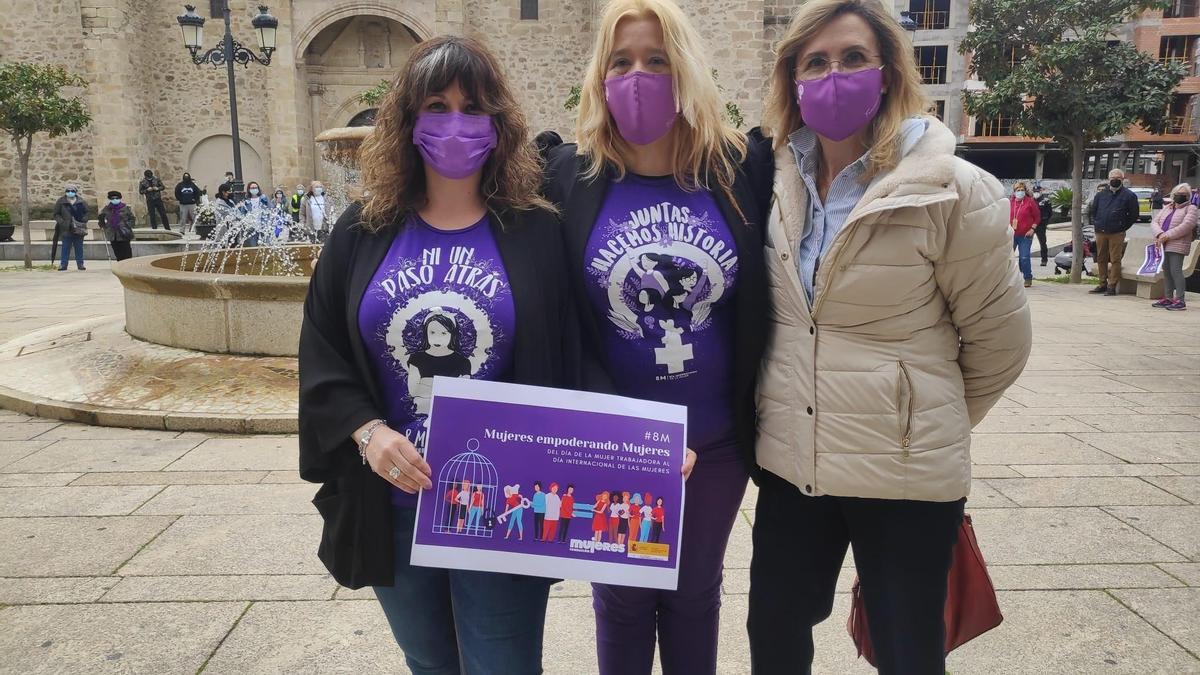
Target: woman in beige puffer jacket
898	320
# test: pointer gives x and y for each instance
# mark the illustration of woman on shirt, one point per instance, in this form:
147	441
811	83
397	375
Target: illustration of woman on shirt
684	287
440	353
652	285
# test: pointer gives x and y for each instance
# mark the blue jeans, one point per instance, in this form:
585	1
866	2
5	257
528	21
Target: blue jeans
68	242
455	622
1023	246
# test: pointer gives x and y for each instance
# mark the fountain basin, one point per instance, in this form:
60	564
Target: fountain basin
221	312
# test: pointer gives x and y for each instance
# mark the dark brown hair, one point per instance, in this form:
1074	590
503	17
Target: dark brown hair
392	169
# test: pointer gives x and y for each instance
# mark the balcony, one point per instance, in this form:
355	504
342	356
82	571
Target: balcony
994	127
932	74
1181	125
932	20
1190	67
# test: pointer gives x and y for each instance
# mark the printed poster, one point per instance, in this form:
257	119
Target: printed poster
1153	262
552	483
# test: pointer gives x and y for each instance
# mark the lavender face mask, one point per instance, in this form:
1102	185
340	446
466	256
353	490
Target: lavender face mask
839	105
643	105
454	144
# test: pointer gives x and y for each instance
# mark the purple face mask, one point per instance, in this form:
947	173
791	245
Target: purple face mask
643	104
839	105
454	144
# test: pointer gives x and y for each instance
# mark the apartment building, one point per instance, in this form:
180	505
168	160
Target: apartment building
1173	34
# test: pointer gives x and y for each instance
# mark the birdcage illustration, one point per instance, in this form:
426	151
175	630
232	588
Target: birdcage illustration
467	495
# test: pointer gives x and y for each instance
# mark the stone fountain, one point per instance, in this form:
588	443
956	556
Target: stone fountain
209	336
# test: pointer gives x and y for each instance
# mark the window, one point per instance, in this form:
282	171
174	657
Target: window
1179	49
1014	56
529	10
1181	115
216	9
931	62
995	126
930	14
1182	9
938	109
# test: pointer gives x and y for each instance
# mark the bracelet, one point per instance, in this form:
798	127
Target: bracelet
365	439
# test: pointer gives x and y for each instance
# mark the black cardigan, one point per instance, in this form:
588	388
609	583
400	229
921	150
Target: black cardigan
580	201
338	392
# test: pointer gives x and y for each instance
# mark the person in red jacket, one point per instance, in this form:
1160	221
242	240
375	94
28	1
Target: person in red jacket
566	512
1024	215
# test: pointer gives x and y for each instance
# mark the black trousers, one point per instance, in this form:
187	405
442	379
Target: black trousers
156	208
1040	232
122	250
902	550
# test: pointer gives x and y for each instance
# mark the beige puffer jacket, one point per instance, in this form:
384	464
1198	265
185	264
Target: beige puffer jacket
919	323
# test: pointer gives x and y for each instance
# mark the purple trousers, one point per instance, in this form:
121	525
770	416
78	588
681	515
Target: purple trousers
685	620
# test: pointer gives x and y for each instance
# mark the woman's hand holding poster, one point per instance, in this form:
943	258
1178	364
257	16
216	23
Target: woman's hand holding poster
552	483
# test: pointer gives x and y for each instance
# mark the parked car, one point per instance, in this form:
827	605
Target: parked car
1144	209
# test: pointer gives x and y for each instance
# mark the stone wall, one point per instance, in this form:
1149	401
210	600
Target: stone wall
52	34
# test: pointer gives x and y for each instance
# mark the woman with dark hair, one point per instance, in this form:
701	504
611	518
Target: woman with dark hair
439	354
450	266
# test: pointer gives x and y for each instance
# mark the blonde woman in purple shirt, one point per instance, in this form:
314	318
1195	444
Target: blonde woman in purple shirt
662	204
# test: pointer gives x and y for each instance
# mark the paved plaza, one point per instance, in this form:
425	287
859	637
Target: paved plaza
180	552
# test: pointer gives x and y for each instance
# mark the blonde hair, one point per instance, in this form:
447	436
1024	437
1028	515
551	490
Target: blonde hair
904	98
1020	185
704	143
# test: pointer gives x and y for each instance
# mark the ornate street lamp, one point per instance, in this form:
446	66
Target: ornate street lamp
226	54
908	23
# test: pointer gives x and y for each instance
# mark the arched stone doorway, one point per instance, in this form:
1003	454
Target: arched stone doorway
348	56
212	156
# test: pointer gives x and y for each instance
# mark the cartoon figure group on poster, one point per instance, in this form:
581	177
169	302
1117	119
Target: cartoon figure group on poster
622	517
552	511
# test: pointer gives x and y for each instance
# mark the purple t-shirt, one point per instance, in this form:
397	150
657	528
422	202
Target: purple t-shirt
439	304
661	268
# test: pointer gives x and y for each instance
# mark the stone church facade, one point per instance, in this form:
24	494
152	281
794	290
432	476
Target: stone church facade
152	108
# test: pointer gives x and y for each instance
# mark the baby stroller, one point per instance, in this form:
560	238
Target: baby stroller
1065	258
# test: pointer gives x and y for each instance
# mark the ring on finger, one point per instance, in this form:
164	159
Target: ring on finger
394	472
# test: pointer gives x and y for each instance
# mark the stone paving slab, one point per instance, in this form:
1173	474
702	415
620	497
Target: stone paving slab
74	501
1012	449
291	476
1185	469
269	453
1045	536
1188	573
1155	400
1070	631
232	500
160	638
1029	424
24	431
15	451
37	479
202	545
1086	470
1126	423
1105	491
1082	385
89	432
1146	448
86	456
1079	577
1185	487
169	478
1174	611
54	590
227	587
46	547
309	637
1177	527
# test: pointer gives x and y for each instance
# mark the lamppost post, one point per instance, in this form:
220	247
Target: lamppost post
233	114
227	54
